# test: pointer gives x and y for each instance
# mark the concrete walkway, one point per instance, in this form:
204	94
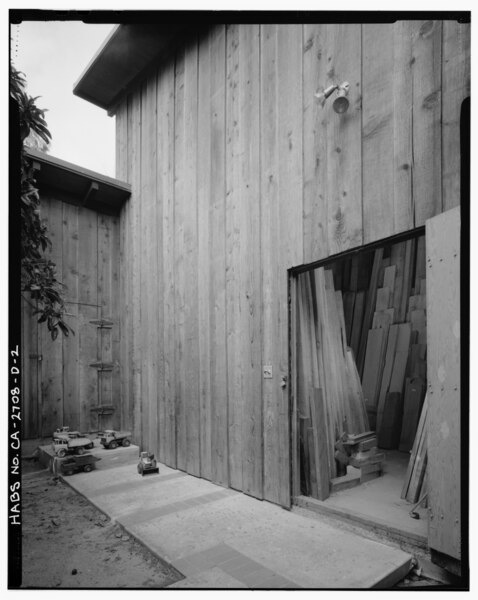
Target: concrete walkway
220	538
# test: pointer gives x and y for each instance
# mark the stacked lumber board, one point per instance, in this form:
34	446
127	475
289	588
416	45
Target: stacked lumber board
362	354
330	399
385	317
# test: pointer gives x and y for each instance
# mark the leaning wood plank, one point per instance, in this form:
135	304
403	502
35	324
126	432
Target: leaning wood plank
357	321
383	298
419	470
401	357
369	308
398	252
412	403
372	372
349	302
317	410
389	434
420	266
387	371
356	399
312	462
419	323
416	442
382	319
381	275
389	279
407	279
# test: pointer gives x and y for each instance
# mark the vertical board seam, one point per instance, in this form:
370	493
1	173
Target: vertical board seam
261	267
228	478
198	265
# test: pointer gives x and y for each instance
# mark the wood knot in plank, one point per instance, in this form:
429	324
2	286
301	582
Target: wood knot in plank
308	45
427	28
431	100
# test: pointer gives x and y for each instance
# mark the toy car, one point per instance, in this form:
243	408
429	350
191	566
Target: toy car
74	464
113	439
63	446
147	463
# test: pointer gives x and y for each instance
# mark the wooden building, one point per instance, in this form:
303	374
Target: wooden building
74	380
241	180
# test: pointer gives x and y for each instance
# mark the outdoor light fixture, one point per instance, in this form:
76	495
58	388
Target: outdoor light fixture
341	102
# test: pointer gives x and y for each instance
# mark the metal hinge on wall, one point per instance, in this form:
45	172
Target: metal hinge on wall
102	366
102	323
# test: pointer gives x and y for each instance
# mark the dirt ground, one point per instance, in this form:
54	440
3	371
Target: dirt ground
68	543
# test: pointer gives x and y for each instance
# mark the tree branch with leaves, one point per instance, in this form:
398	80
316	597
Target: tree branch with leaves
39	282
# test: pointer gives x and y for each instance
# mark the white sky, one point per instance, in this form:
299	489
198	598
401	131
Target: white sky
53	55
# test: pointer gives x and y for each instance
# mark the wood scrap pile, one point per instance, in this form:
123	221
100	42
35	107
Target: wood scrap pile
330	399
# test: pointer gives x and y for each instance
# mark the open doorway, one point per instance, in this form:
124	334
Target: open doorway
359	332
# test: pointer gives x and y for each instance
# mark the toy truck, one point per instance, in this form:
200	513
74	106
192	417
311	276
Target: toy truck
64	432
73	464
63	446
112	439
147	463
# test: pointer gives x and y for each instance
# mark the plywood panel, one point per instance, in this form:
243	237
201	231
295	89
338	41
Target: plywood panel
443	375
377	130
455	88
426	47
166	146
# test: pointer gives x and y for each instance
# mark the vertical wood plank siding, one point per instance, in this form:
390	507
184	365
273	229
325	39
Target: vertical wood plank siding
61	386
245	176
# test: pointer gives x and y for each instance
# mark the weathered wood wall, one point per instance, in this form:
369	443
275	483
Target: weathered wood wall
59	386
238	174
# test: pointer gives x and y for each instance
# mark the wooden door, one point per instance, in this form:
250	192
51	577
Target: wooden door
444	419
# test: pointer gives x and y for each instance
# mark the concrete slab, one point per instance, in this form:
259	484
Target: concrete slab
220	538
